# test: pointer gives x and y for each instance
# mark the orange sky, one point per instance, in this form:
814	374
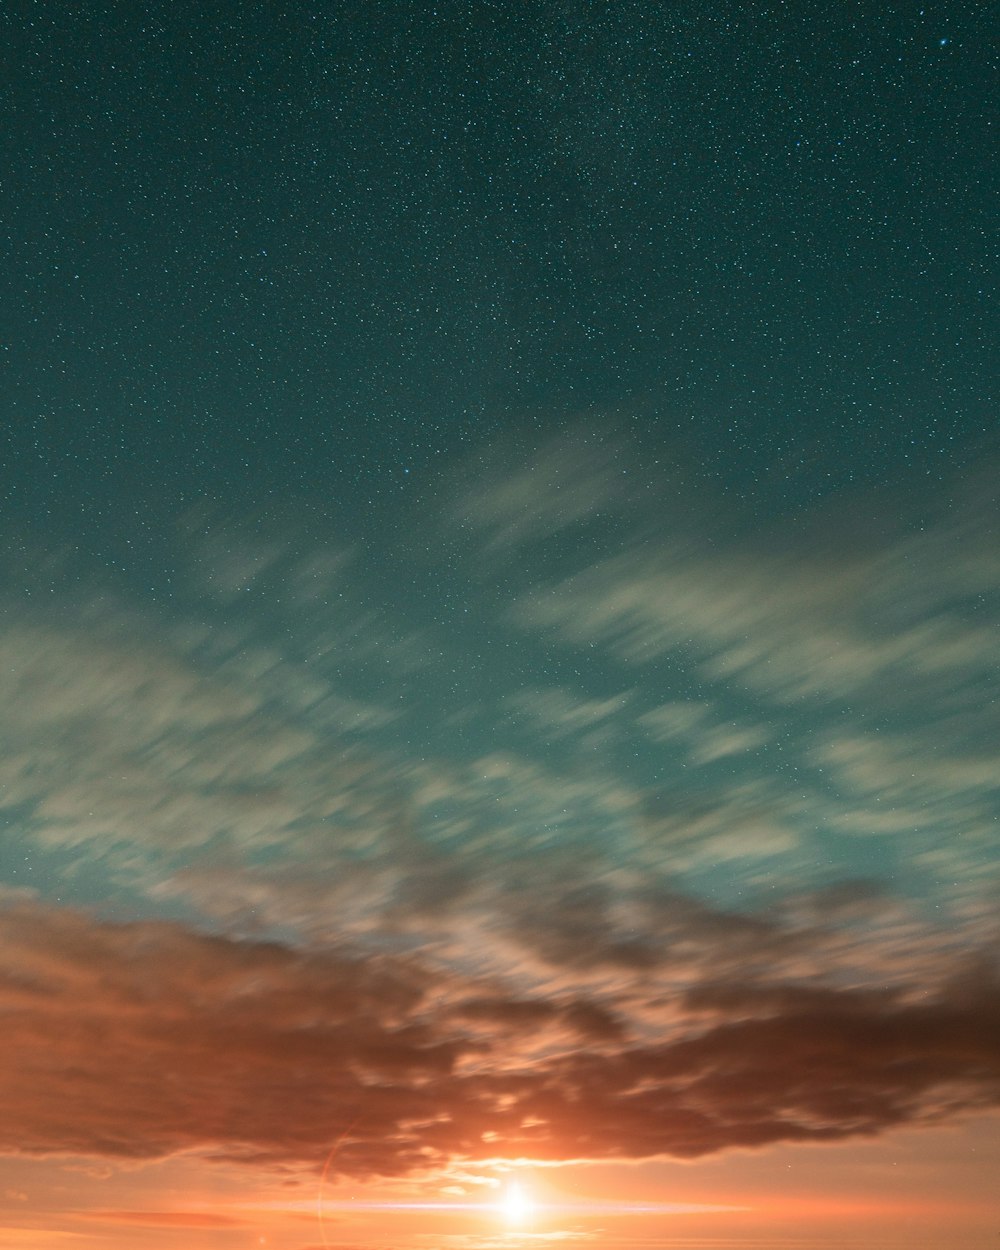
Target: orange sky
927	1189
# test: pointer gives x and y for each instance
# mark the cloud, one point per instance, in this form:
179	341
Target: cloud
823	605
137	1041
818	680
164	1219
119	746
786	625
559	712
197	789
568	482
142	1040
846	654
453	945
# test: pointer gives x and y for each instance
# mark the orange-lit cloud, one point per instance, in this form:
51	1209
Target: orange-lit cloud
137	1041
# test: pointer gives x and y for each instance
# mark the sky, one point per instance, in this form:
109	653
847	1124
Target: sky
499	606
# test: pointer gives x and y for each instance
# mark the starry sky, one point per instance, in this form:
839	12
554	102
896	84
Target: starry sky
499	615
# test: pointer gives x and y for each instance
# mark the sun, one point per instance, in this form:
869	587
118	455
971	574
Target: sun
516	1204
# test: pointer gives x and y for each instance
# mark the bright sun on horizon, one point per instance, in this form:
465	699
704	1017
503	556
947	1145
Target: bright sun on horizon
516	1203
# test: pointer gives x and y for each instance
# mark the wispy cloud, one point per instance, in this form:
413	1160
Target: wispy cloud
164	1219
712	868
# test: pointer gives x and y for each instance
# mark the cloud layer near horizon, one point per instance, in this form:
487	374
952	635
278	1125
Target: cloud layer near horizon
137	1041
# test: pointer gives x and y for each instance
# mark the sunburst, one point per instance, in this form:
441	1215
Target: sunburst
516	1204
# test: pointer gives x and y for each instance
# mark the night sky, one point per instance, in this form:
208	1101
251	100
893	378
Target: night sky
499	607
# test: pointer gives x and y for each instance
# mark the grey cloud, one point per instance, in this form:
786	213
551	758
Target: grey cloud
828	611
569	481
